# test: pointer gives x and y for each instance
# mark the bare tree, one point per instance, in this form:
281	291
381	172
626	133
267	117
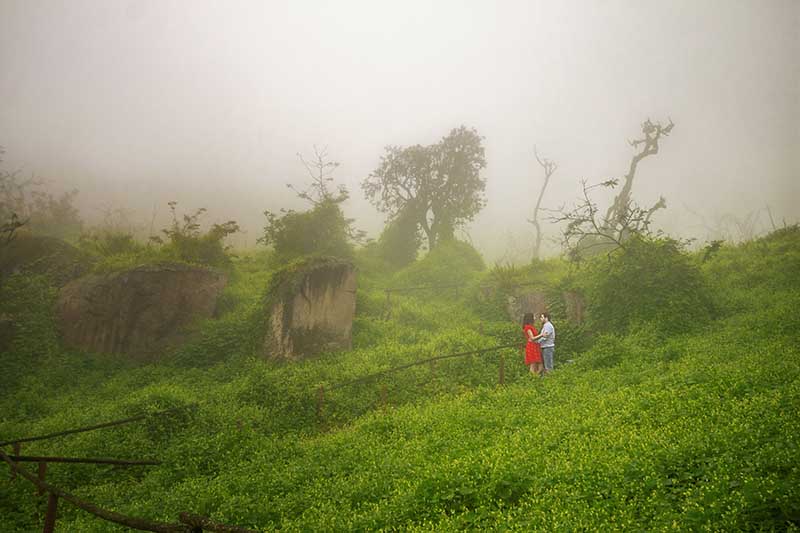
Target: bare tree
8	229
647	145
12	202
549	168
320	168
587	234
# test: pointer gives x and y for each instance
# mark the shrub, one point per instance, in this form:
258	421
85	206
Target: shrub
400	240
186	242
651	280
451	262
106	243
323	230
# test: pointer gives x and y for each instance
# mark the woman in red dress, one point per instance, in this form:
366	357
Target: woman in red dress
533	353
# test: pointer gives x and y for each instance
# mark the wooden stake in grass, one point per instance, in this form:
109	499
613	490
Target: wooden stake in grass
42	475
50	517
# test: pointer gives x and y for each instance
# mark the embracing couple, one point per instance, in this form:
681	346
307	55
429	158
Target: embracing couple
540	345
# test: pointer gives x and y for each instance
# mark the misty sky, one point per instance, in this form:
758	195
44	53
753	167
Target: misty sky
137	103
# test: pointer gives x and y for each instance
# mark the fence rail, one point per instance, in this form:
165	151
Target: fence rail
188	523
429	360
420	362
54	493
100	461
97	426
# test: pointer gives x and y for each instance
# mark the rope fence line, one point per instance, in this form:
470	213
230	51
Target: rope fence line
98	426
110	516
383	402
420	362
101	461
387	313
456	286
188	523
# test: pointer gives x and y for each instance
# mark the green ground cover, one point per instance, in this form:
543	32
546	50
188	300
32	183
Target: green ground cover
693	426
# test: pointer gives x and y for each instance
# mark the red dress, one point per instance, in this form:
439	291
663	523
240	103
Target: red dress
533	353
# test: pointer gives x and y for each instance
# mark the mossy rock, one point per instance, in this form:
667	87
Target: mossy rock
310	306
140	312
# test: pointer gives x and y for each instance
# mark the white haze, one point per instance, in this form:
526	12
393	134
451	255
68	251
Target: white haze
141	102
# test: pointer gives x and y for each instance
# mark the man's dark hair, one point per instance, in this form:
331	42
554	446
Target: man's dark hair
546	314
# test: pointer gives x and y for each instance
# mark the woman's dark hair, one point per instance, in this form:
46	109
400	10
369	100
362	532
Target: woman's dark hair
528	319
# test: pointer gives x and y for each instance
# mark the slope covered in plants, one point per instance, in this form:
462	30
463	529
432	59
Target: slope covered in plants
693	426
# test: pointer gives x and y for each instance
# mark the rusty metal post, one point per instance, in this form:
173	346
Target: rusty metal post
17	448
42	474
320	401
502	368
50	517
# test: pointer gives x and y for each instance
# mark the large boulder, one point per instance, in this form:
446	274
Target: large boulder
311	309
31	254
138	312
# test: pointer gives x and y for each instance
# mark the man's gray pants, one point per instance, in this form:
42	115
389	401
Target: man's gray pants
547	355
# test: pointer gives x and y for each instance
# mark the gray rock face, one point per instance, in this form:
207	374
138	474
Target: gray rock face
138	312
311	310
528	302
575	306
536	302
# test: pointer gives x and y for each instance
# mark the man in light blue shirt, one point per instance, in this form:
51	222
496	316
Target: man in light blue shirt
547	341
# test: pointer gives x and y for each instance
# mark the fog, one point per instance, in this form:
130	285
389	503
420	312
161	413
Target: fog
207	103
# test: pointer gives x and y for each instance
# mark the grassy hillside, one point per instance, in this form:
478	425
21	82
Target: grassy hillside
691	426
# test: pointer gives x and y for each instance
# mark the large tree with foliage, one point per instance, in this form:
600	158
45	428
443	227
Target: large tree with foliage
439	185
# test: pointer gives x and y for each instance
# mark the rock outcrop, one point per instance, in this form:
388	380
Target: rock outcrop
138	312
311	306
528	302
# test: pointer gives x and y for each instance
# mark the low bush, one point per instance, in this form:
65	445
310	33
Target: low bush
651	280
452	262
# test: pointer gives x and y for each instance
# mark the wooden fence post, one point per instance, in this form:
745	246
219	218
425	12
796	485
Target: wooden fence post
50	517
42	474
502	368
17	449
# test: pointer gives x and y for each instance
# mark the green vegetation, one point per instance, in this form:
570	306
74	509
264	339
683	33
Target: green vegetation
680	410
438	187
321	230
